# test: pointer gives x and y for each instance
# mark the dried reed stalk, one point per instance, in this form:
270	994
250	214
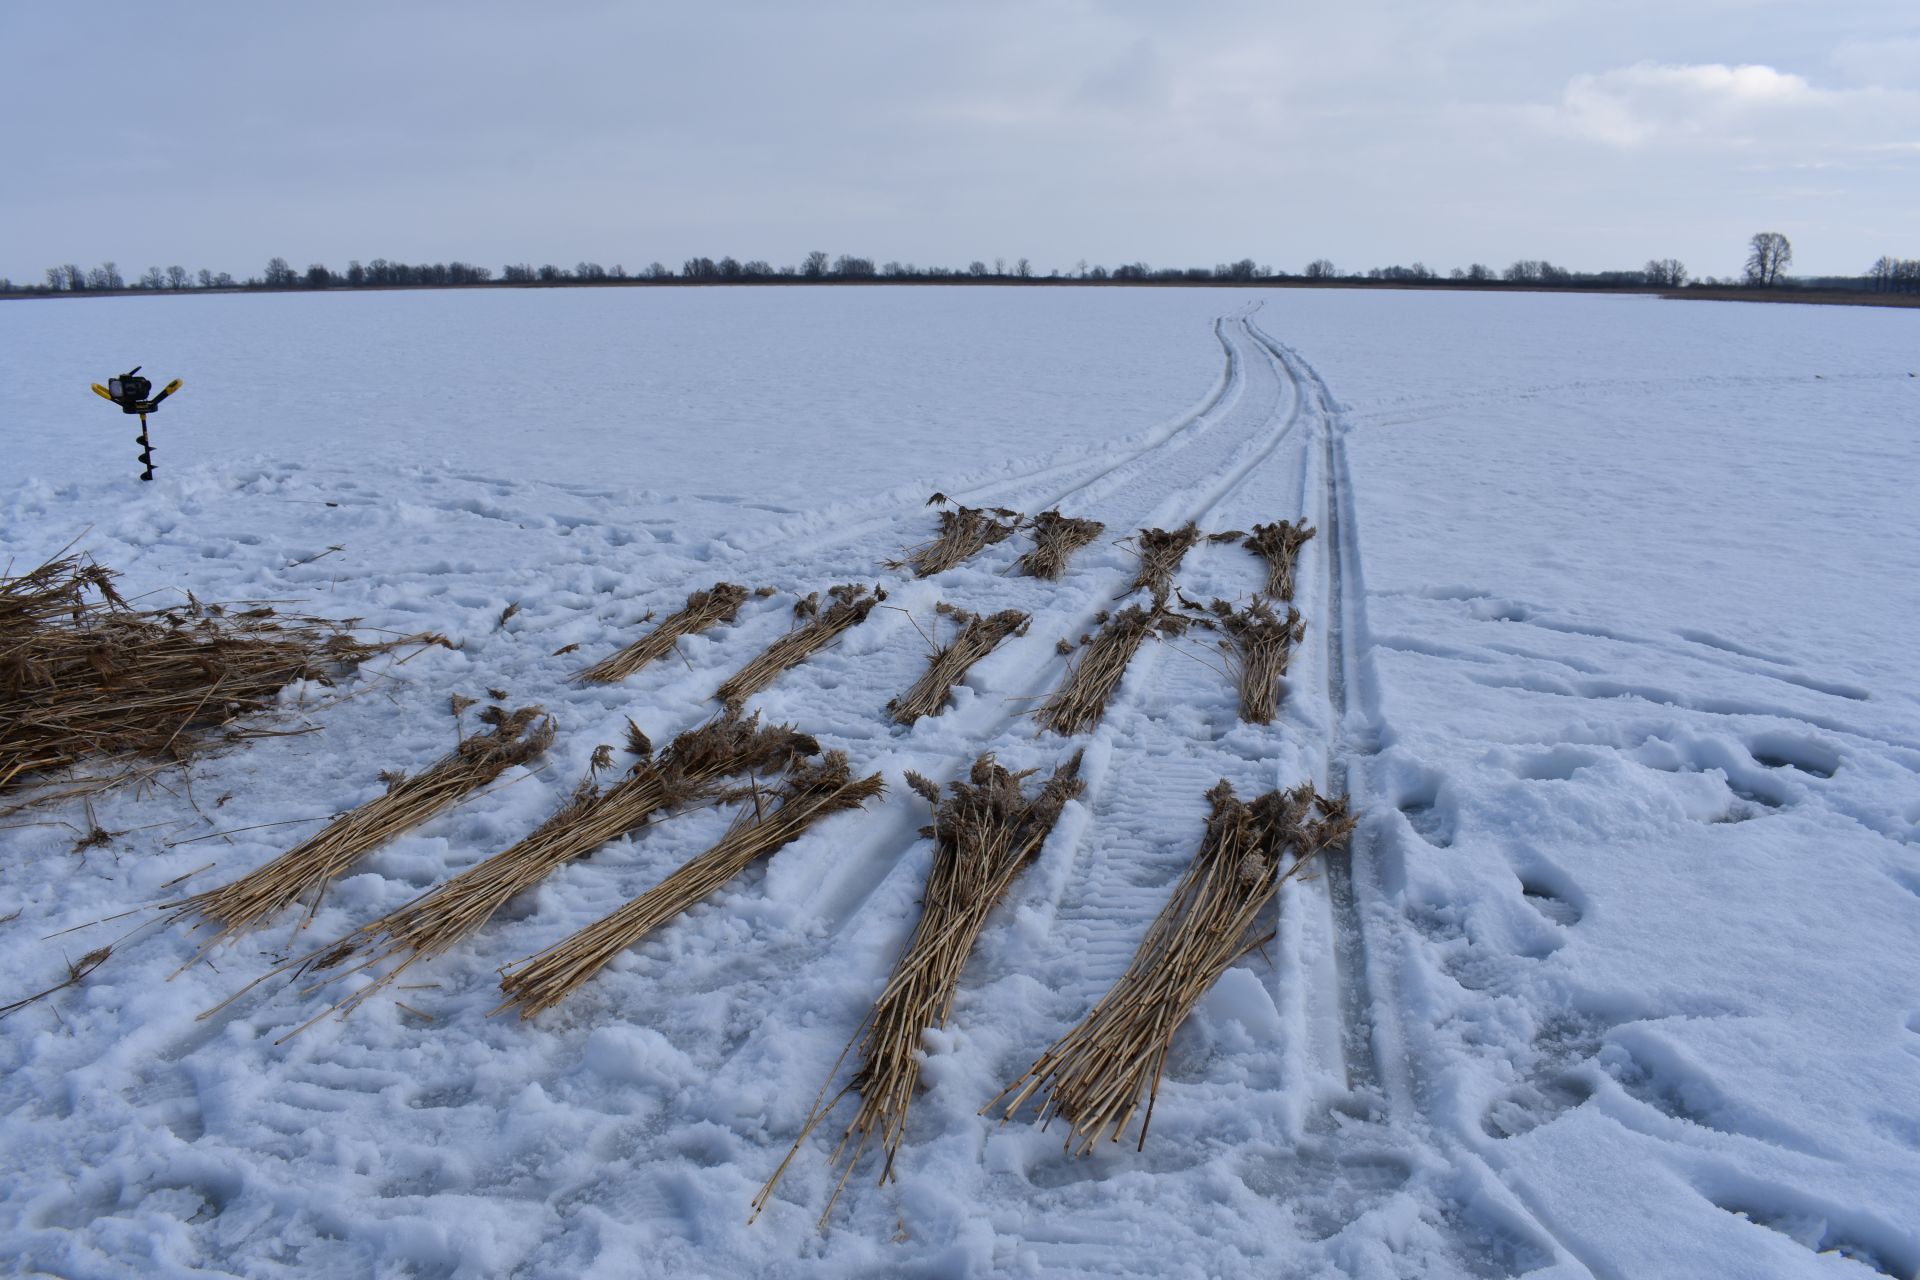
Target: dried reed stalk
977	638
1055	539
1160	555
964	532
692	767
1096	1075
83	675
984	832
1279	545
851	603
1259	644
1082	698
810	791
306	869
704	609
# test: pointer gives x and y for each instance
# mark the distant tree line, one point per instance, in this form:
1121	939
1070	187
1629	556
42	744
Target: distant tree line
1770	254
1894	275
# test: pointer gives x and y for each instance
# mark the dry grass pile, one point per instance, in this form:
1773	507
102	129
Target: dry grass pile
1082	698
704	609
84	676
849	605
1160	553
978	637
1097	1075
305	870
1259	644
1055	539
984	832
810	791
964	532
694	766
1279	545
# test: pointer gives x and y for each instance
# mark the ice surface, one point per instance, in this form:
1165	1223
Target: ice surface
1610	626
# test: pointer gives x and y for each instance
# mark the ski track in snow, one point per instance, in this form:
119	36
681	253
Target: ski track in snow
1406	1082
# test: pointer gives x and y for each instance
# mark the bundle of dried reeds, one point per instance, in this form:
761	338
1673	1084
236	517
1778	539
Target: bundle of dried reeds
984	832
704	609
692	767
1160	553
1096	1075
1279	545
977	638
851	603
1082	698
306	869
964	531
1055	539
85	676
810	791
1259	643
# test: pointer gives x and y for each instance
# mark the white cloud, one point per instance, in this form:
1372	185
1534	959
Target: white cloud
1650	102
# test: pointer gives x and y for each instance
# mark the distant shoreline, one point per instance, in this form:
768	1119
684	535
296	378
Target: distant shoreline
1689	293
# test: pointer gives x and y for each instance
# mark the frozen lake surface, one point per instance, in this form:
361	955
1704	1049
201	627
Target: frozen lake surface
1610	621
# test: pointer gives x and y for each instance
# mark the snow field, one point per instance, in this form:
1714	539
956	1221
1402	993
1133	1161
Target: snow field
1617	984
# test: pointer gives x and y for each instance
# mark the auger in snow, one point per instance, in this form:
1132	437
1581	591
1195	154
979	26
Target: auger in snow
130	392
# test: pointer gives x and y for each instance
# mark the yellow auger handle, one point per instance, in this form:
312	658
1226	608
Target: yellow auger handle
173	386
102	392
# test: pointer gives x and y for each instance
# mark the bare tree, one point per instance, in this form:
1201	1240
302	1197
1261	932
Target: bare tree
1768	254
205	277
1670	272
152	278
1320	269
279	274
176	277
816	265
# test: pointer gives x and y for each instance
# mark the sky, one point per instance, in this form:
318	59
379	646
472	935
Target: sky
1592	133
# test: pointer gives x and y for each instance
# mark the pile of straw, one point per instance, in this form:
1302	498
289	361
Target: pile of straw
964	532
704	609
1055	539
1096	1075
692	767
305	870
851	603
1279	545
1258	643
1082	698
810	791
977	638
984	833
1160	555
83	675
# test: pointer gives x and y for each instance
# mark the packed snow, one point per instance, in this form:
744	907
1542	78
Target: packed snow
1609	637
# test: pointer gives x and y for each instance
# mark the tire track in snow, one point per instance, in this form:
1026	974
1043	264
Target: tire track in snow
1214	458
1378	1059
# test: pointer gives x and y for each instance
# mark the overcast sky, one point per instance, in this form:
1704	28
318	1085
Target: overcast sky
1594	133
